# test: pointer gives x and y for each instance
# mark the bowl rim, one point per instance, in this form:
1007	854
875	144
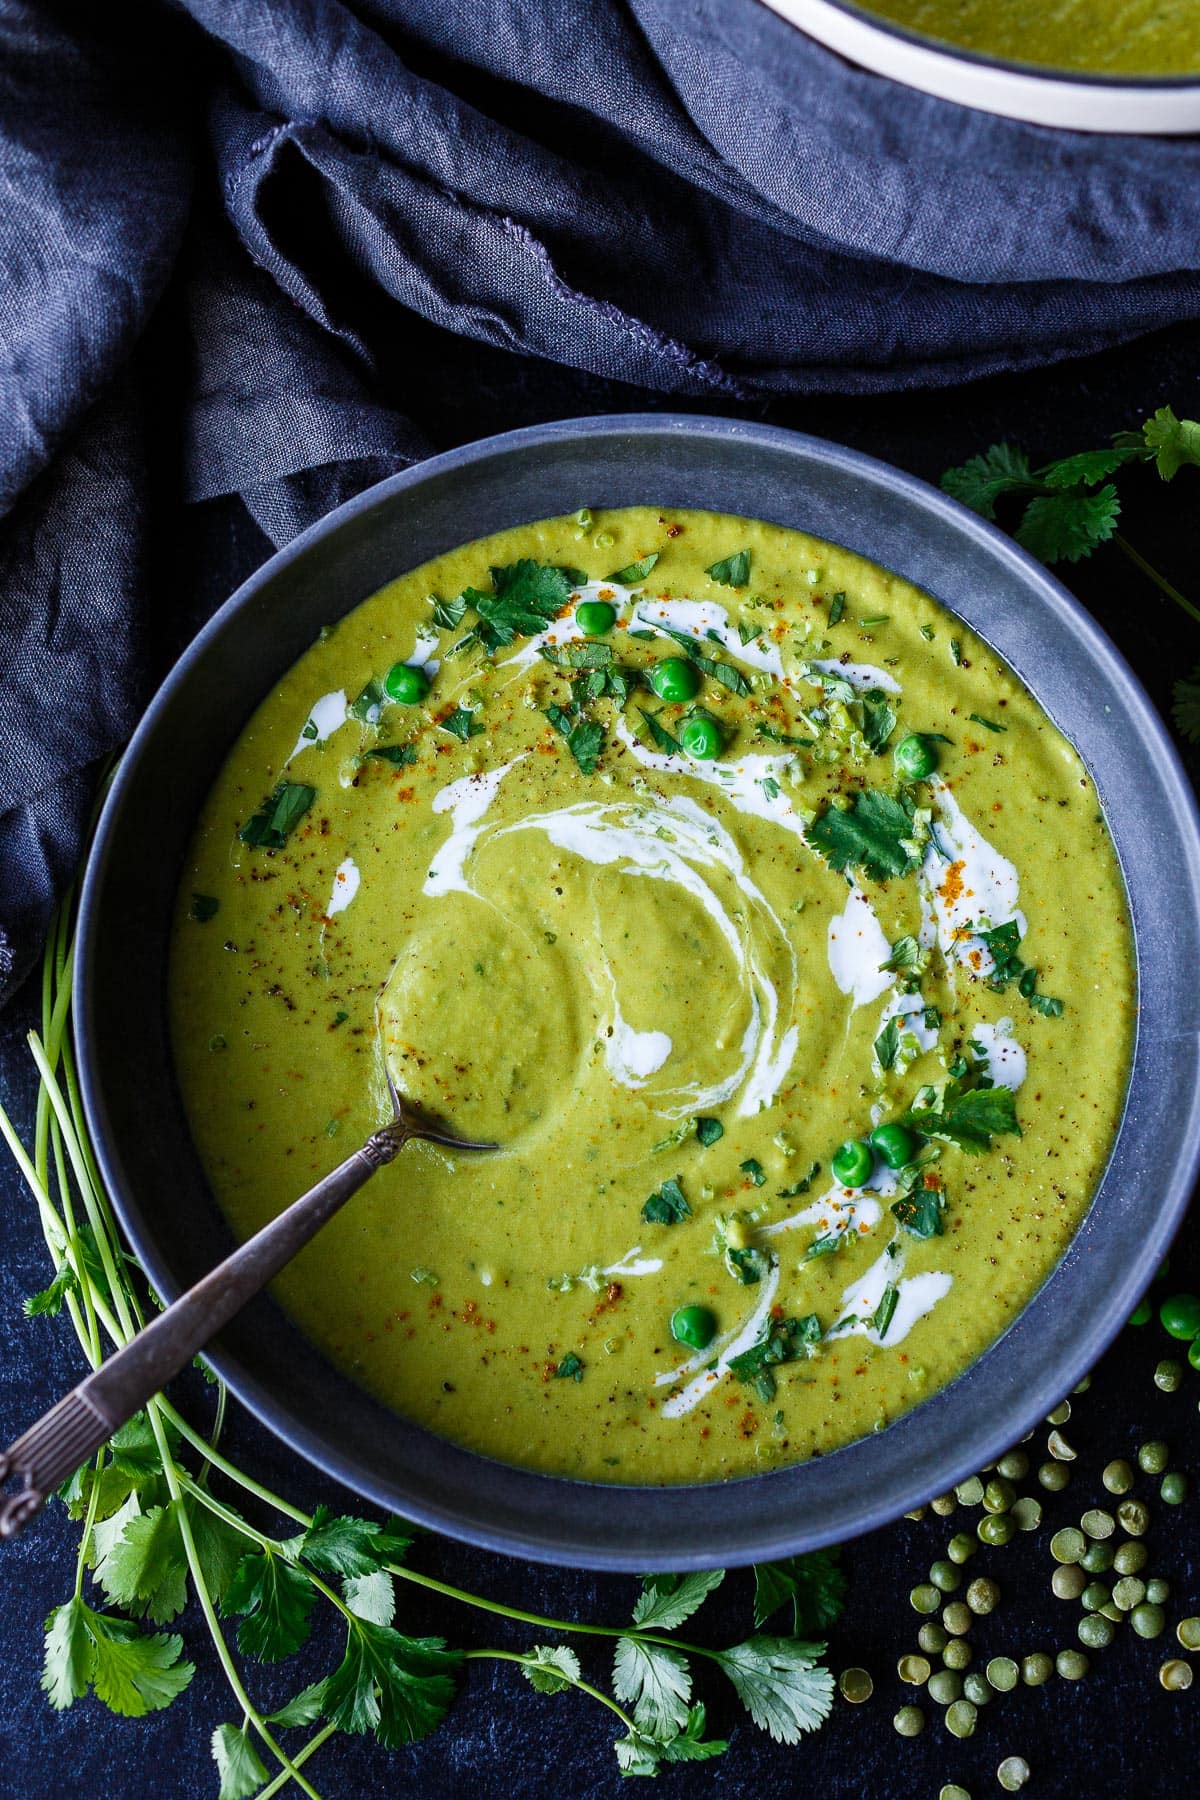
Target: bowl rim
980	1442
1083	100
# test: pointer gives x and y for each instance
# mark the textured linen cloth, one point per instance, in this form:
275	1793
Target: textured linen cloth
240	239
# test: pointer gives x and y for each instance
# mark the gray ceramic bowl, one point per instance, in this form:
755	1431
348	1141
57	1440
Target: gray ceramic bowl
134	1108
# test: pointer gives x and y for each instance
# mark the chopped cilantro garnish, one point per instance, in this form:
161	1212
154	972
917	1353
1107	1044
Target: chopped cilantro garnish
828	1244
781	1341
1003	942
885	1312
278	817
660	734
401	756
988	724
887	1044
874	833
969	1119
837	607
367	704
309	733
570	1368
770	787
448	613
748	630
781	737
709	1130
754	1170
634	572
461	724
525	597
879	720
578	656
956	651
203	908
801	1187
922	1210
905	956
731	571
669	1206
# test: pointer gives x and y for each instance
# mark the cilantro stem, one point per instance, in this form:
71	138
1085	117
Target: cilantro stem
314	1744
531	1662
88	1525
1152	574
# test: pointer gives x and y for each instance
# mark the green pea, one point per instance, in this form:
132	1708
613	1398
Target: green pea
1059	1448
909	1721
694	1326
1068	1545
970	1491
1098	1559
1180	1316
1129	1592
855	1685
996	1528
1068	1582
945	1576
960	1719
944	1504
1026	1513
1112	1612
925	1598
1130	1558
977	1688
852	1163
1168	1375
1054	1476
983	1595
1097	1523
1094	1596
1176	1675
998	1496
1072	1665
1194	1353
1036	1669
1003	1674
915	757
893	1144
914	1670
933	1637
1095	1632
1142	1313
1118	1477
675	680
595	618
1012	1774
952	1791
700	738
1013	1465
956	1618
1173	1488
961	1548
945	1687
958	1655
405	684
1158	1591
1153	1457
1148	1620
1061	1413
1188	1633
1135	1517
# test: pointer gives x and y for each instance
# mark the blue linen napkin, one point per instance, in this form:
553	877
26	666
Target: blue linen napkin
239	240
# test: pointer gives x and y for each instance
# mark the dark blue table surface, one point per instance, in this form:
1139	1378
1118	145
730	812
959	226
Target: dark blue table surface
1116	1731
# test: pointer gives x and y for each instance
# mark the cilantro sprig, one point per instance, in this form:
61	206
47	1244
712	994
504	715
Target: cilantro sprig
1062	511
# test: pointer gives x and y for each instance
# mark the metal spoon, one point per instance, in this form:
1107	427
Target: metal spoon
75	1428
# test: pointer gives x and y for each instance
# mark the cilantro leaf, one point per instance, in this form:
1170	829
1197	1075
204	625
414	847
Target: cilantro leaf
873	833
1067	527
634	572
132	1674
667	1600
238	1763
979	483
461	724
585	742
1088	467
340	1545
448	613
67	1669
577	656
203	908
814	1583
668	1206
277	1599
887	1044
640	1754
905	957
1186	706
401	756
921	1212
662	737
219	1549
371	1596
48	1301
885	1312
781	1683
399	1687
554	1668
879	719
145	1569
754	1171
656	1681
303	1708
970	1120
271	826
731	571
525	597
570	1368
708	1131
1173	441
781	1341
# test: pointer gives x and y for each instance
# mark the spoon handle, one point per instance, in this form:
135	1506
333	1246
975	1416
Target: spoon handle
76	1427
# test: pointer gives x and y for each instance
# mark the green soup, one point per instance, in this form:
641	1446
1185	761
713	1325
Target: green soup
779	856
1108	37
